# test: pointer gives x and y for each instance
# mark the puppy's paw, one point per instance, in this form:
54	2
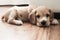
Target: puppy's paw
19	23
55	22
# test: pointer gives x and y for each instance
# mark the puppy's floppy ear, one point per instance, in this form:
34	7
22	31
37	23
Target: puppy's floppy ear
52	19
50	10
51	14
32	16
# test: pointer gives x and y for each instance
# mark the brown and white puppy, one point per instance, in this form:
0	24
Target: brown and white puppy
42	16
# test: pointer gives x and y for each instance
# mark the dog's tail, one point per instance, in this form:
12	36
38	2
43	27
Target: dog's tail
3	19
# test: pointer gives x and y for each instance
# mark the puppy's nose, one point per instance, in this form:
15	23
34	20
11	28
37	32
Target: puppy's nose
43	22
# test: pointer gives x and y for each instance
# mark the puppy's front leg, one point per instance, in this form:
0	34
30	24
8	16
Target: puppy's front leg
13	21
18	22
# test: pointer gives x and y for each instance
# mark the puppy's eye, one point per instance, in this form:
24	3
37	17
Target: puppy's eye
38	16
47	15
20	15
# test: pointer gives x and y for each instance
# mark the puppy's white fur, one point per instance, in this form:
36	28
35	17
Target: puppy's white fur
55	21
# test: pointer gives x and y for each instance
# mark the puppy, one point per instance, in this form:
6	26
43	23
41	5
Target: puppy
41	16
16	15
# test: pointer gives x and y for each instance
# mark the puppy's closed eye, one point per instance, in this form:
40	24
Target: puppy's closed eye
38	16
21	15
47	15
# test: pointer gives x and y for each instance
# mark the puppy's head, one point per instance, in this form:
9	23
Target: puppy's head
41	16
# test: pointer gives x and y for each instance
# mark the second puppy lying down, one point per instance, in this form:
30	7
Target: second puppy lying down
41	16
16	15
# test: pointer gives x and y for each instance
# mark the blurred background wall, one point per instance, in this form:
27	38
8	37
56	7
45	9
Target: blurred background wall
4	2
54	4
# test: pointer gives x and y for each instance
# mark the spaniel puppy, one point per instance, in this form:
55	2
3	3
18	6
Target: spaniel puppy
16	15
41	16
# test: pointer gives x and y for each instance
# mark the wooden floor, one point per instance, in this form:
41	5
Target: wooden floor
27	31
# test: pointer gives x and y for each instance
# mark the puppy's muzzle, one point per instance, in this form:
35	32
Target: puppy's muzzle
43	23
